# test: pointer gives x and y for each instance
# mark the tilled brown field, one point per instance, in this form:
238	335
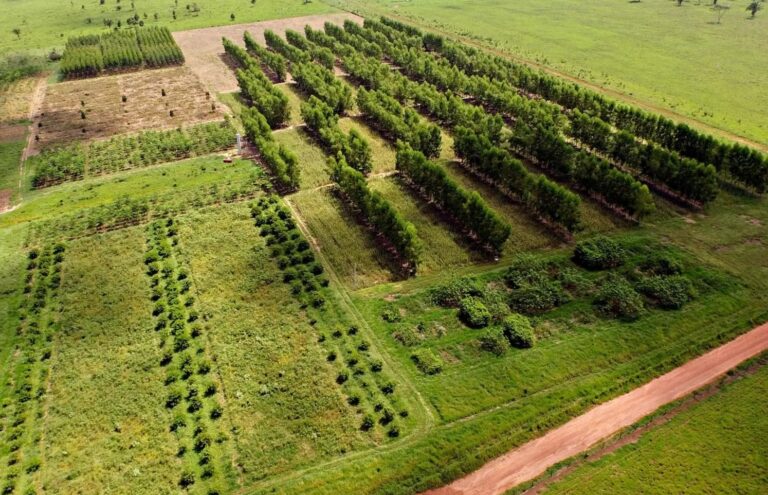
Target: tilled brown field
203	50
94	108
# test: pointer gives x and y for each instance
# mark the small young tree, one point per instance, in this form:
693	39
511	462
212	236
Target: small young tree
753	7
17	32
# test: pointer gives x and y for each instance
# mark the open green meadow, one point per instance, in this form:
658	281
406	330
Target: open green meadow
710	447
379	322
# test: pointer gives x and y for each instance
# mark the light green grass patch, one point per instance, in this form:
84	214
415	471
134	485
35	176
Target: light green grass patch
312	159
10	157
382	152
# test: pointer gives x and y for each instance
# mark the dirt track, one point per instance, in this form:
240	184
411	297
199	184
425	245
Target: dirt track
203	49
533	458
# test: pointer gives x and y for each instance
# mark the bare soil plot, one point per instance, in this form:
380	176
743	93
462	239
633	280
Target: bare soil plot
94	108
203	50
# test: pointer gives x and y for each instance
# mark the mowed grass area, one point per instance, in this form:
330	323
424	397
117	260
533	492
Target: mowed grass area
281	396
714	447
106	427
632	48
178	177
10	157
312	159
44	25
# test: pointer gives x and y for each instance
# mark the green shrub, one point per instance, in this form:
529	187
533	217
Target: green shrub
518	331
427	361
493	340
668	292
525	270
390	314
599	253
538	298
662	264
450	294
473	312
618	299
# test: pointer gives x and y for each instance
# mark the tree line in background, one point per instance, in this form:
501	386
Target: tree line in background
89	55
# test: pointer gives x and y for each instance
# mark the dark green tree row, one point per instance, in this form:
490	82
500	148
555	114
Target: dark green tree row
323	123
282	161
398	123
467	208
351	38
257	88
272	62
741	163
279	45
315	80
684	176
547	200
124	152
87	56
319	54
378	214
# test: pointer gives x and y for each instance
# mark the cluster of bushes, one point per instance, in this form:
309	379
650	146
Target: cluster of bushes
467	208
746	165
256	88
599	253
191	390
315	80
273	63
398	123
376	211
71	162
282	162
25	398
323	123
290	250
515	331
87	56
319	54
427	361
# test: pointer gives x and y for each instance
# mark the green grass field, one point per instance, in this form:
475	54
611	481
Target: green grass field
10	156
675	59
44	27
712	447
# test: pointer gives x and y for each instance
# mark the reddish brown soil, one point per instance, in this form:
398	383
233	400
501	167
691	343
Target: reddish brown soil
532	459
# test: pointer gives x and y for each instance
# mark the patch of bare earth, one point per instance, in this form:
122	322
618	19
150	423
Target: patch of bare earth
203	50
5	199
9	133
101	107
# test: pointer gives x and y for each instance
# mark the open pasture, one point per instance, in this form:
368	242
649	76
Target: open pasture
94	108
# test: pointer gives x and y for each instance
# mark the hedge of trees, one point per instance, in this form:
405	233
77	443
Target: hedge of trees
279	45
741	163
467	208
319	54
273	62
124	152
323	124
282	161
315	80
398	123
378	213
257	88
87	56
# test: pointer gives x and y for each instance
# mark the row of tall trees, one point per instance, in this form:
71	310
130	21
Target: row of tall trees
279	45
257	88
740	163
319	54
316	80
87	56
398	123
282	161
467	208
378	213
273	63
323	123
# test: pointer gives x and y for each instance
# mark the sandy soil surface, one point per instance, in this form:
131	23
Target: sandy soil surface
532	459
203	49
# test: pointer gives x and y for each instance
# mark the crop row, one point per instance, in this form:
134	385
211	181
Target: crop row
281	161
189	378
271	62
87	56
20	423
75	161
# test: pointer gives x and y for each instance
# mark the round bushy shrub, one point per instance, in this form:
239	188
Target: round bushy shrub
662	264
427	361
668	292
450	294
599	253
518	331
493	340
473	312
538	298
618	299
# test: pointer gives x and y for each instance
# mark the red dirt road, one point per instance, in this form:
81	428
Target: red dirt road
533	458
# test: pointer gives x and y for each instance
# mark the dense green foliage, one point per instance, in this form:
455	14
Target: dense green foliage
278	158
427	361
271	61
599	253
518	329
319	54
76	161
87	56
473	312
619	299
319	81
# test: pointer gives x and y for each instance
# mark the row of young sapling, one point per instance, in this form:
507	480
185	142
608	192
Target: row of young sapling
189	378
358	372
21	414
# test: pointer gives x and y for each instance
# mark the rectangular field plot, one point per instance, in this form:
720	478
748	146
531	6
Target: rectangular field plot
94	108
344	243
285	407
312	159
106	429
